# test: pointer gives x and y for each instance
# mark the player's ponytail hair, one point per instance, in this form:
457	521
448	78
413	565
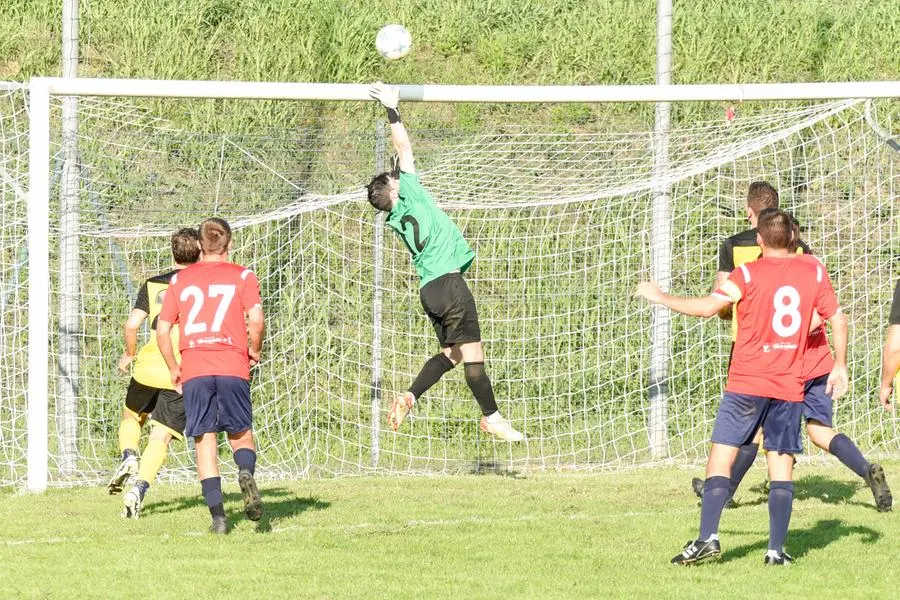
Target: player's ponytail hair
379	192
776	229
185	250
215	236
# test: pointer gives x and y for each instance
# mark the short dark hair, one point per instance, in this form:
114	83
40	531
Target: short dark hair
776	227
379	191
215	235
760	196
185	250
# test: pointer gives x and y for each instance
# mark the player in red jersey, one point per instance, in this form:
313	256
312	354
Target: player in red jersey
218	307
778	295
818	400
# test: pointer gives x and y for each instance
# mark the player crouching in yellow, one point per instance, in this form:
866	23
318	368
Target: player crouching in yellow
150	392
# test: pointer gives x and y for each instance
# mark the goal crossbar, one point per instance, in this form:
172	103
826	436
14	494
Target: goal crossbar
470	93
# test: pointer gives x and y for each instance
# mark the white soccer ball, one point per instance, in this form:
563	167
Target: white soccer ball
393	41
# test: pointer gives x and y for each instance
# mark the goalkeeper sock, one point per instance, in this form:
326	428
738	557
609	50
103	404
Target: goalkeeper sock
742	463
432	371
715	494
245	458
153	459
847	452
480	384
212	492
781	502
129	436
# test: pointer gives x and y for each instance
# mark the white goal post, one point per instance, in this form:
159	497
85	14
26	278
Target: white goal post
41	90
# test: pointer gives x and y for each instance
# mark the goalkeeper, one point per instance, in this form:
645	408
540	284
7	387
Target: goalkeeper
440	256
150	389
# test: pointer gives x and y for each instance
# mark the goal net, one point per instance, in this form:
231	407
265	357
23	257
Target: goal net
560	215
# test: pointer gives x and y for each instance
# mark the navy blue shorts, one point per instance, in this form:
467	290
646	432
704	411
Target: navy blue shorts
217	403
781	428
740	416
817	405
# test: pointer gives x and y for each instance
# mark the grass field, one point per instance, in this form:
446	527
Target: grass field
489	536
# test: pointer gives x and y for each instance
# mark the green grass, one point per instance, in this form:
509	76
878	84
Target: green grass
475	536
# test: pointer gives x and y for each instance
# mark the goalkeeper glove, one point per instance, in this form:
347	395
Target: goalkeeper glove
389	98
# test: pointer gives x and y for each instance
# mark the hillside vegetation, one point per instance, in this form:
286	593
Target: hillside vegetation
455	41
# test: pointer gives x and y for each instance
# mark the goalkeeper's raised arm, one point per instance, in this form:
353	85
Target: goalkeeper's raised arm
389	97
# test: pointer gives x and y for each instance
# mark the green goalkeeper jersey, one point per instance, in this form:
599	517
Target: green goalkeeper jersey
435	242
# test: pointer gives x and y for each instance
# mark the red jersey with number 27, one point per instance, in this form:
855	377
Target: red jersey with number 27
777	299
209	300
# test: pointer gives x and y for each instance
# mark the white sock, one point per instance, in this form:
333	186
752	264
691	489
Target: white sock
494	417
714	536
773	553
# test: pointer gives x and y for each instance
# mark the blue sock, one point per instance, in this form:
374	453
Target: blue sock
245	458
212	492
715	494
847	452
781	502
742	463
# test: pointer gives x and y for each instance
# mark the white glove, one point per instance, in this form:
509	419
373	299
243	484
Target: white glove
387	95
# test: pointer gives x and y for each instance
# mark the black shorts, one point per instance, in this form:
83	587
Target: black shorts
166	407
450	306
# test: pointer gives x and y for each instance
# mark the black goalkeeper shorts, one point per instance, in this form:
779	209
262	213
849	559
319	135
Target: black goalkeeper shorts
450	306
166	407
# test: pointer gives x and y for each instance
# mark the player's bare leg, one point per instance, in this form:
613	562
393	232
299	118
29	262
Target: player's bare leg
472	356
244	450
715	494
129	438
847	452
151	462
210	481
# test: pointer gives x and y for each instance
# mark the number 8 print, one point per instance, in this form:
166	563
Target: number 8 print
789	310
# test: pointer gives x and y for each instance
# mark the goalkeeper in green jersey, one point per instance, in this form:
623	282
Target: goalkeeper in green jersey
440	256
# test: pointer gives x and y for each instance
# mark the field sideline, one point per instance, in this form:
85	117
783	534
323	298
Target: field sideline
543	535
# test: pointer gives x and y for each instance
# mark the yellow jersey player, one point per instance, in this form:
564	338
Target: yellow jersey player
150	392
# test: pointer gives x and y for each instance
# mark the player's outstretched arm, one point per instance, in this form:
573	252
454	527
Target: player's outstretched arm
132	324
389	97
256	328
164	341
705	306
838	380
890	364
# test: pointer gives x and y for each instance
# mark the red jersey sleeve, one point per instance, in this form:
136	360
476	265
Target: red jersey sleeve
250	296
733	288
826	298
169	310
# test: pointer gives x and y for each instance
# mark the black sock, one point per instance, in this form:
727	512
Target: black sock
432	371
212	492
715	494
742	463
245	458
847	452
781	501
480	384
142	487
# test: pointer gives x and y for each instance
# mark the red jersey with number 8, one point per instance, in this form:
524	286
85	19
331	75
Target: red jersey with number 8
209	301
777	299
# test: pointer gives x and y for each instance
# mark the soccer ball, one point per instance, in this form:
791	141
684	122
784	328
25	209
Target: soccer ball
393	41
